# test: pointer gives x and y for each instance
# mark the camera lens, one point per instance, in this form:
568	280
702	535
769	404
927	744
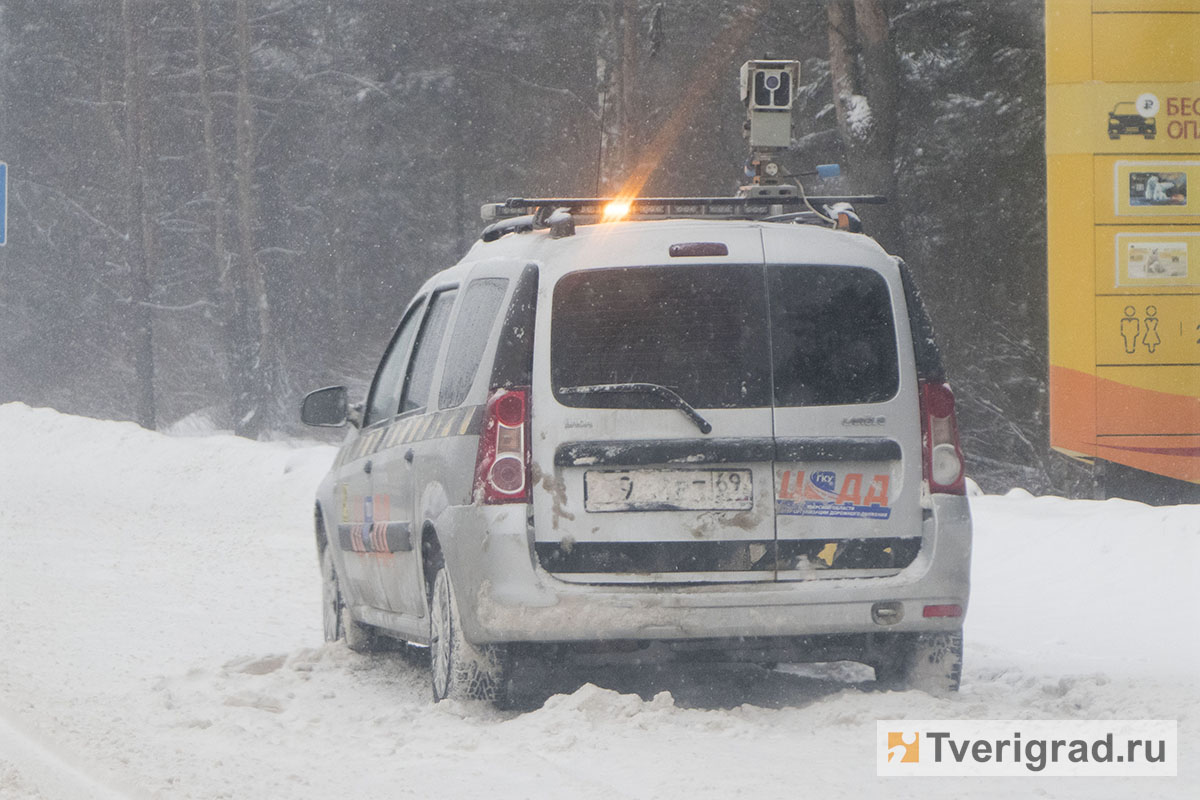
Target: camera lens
772	82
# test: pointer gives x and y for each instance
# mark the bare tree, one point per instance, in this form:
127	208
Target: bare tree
616	82
140	237
864	72
262	391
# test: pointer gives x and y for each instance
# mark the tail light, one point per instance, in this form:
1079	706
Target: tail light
943	458
502	466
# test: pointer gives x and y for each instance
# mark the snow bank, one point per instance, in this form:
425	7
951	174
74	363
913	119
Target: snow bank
1085	585
161	639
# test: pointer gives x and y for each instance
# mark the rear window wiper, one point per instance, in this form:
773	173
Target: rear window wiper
655	389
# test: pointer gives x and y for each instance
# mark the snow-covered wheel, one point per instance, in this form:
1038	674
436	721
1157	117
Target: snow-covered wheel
331	599
335	616
928	662
461	670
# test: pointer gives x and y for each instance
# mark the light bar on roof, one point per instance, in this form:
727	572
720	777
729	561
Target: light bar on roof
663	207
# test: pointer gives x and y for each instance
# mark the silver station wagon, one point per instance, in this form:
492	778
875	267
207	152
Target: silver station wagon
678	439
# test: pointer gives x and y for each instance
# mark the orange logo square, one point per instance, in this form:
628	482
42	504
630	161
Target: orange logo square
904	747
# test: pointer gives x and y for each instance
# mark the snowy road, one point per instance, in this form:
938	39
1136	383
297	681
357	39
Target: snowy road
160	639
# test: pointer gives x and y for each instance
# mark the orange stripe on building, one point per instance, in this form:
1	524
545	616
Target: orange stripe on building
1140	428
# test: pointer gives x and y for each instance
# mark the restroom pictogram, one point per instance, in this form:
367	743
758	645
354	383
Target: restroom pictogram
1140	330
1151	338
1130	329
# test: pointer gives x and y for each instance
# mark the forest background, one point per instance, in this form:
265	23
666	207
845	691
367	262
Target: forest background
217	205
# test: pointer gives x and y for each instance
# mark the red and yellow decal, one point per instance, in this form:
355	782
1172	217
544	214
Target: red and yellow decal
826	493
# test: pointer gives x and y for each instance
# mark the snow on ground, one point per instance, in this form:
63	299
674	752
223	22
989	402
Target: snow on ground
160	638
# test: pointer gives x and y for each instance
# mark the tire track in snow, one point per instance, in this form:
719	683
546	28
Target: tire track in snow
52	772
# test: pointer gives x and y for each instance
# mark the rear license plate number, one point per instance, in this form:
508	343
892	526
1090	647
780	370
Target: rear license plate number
668	490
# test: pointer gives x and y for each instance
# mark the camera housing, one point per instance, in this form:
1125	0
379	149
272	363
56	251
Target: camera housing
768	90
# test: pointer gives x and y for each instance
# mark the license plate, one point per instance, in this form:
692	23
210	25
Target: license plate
668	490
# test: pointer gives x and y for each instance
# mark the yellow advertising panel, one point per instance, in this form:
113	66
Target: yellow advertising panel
1144	188
1146	46
1143	117
1147	191
1068	41
1123	226
1147	330
1136	6
1146	259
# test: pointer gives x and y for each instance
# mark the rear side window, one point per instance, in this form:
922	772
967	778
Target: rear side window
474	324
514	348
833	336
929	359
424	358
698	330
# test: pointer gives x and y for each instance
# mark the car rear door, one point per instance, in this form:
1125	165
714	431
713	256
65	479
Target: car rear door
652	426
846	418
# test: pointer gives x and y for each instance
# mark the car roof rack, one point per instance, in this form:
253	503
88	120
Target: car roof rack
739	207
521	214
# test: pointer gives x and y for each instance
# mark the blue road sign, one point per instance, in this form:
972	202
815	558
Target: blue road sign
3	203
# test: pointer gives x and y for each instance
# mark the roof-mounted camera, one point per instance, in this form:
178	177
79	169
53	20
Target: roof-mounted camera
768	91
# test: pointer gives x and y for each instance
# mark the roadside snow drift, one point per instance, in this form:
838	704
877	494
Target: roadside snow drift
160	639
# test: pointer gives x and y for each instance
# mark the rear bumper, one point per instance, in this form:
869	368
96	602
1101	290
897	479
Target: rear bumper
505	596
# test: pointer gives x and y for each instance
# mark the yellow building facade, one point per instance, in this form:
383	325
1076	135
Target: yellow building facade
1123	209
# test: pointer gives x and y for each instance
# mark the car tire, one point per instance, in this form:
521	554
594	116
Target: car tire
335	615
331	599
459	669
927	662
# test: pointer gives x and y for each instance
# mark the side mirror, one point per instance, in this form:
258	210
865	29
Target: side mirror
326	408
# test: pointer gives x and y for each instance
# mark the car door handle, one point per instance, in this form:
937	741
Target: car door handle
367	467
409	455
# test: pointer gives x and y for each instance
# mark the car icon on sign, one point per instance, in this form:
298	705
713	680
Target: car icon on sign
1124	120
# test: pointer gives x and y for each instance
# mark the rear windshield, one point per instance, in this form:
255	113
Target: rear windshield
725	336
694	329
833	340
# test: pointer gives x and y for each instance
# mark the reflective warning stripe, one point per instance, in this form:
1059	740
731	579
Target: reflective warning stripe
464	421
378	537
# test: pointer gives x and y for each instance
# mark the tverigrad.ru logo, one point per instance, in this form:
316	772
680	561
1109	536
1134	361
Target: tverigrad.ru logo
1029	748
904	747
